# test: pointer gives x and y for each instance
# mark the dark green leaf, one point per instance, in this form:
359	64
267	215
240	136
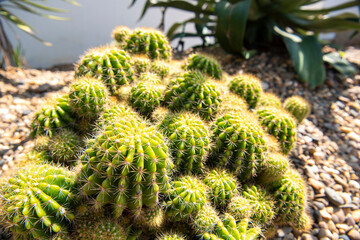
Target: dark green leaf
307	58
340	64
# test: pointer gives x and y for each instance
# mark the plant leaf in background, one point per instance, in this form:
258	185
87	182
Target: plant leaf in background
11	55
306	55
340	64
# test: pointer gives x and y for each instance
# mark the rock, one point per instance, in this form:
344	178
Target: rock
318	205
318	156
332	227
356	215
353	136
342	226
307	236
334	197
335	218
344	237
317	185
341	215
290	236
322	233
280	233
325	214
354	234
354	184
350	220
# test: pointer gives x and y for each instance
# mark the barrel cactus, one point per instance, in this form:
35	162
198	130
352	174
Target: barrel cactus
222	186
110	65
152	218
88	97
205	64
37	202
240	207
104	229
298	107
126	165
52	117
160	68
280	124
193	92
141	64
248	87
232	104
186	197
269	100
238	143
150	42
228	228
275	165
205	220
170	236
121	34
189	141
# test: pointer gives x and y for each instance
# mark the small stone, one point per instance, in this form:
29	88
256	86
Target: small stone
331	225
341	215
354	234
317	185
344	237
280	233
354	184
319	156
356	215
290	236
335	218
307	236
318	205
350	220
353	136
325	214
334	197
342	226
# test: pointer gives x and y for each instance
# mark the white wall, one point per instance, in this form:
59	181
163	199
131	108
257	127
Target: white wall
90	26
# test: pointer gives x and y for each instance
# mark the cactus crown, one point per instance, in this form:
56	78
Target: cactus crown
37	201
248	87
205	64
298	107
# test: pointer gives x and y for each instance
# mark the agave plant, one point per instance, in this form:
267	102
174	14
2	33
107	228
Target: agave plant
237	24
11	55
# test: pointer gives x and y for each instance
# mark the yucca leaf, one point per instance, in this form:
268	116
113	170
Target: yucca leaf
306	56
30	10
340	64
17	21
39	6
177	25
328	10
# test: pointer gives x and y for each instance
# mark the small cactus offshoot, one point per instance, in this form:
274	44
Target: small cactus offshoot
248	87
152	218
205	220
222	186
205	64
189	141
160	68
269	100
298	107
240	207
52	117
110	65
186	197
275	165
121	34
141	64
37	202
280	124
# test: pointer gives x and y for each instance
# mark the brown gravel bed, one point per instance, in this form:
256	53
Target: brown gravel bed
327	152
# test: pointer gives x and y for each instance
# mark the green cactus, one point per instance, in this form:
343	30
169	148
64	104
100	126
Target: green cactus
192	92
303	223
205	64
114	112
171	236
232	104
248	87
141	64
110	65
262	205
238	143
64	146
152	218
146	96
121	34
222	186
186	197
189	141
52	117
126	165
290	197
88	97
298	107
280	124
275	165
228	228
100	229
37	201
269	100
160	68
42	143
149	42
205	220
240	207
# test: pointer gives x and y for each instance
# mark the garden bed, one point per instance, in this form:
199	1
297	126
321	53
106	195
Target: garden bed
327	152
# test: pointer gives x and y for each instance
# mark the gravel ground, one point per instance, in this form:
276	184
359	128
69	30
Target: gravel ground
327	151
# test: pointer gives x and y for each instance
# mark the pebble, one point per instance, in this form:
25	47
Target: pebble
356	215
317	185
354	234
334	197
324	213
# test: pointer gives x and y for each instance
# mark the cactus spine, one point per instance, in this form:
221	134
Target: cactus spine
222	186
280	124
126	165
298	107
205	64
186	197
36	202
110	65
189	141
248	87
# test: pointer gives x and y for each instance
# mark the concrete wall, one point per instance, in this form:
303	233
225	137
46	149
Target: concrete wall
90	26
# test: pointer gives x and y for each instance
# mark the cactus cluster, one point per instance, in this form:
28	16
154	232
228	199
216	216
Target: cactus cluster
167	156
